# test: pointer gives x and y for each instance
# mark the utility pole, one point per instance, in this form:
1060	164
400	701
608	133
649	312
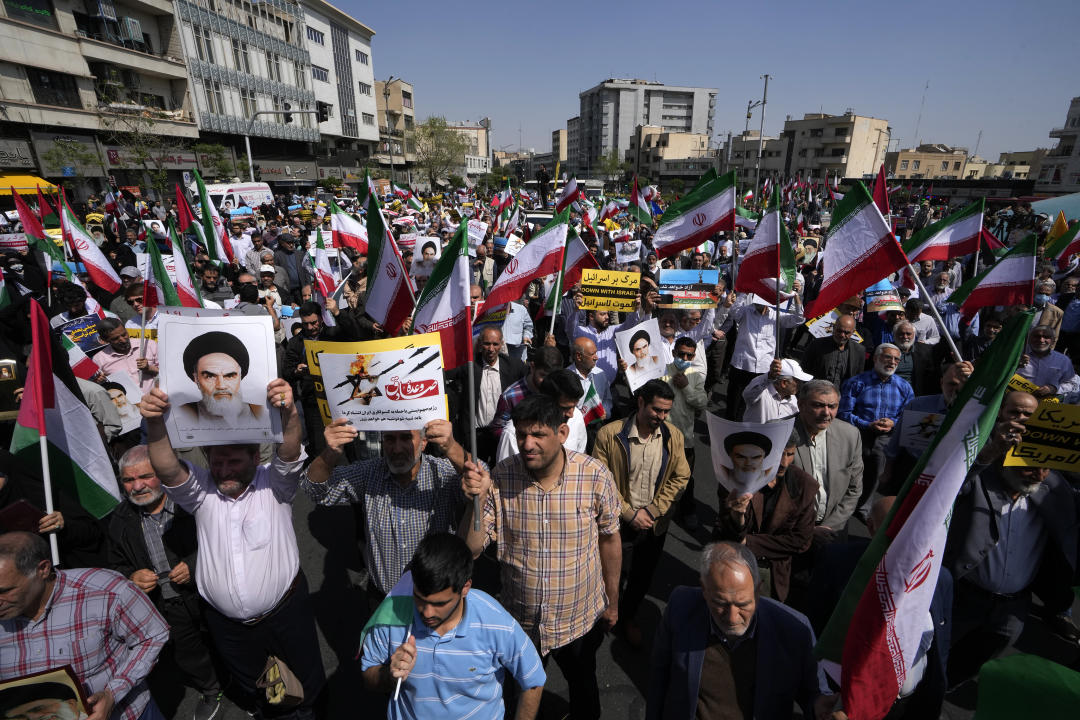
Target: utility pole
761	137
251	126
918	121
389	127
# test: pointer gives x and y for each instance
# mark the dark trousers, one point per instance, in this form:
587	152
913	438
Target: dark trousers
577	661
313	426
288	633
714	363
186	647
687	503
984	624
873	463
641	550
737	382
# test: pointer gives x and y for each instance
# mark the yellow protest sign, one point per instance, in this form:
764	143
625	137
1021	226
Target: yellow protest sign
609	289
1019	382
1052	439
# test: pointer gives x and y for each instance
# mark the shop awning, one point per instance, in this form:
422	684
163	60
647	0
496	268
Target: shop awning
24	184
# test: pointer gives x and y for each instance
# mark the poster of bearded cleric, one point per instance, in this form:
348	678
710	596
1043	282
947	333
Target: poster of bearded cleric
215	371
746	456
394	384
53	694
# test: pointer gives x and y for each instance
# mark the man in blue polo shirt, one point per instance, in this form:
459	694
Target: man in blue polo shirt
454	656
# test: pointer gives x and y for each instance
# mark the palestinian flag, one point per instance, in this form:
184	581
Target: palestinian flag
101	271
186	291
954	236
569	195
216	234
639	208
158	289
541	256
78	462
1009	281
414	204
81	364
700	214
396	610
878	625
347	231
36	238
591	409
389	299
1064	247
5	293
443	305
861	250
768	268
44	208
747	219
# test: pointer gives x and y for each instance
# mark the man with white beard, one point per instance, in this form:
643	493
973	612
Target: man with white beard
873	402
916	360
217	363
152	542
41	701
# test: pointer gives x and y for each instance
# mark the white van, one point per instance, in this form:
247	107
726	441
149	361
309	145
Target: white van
227	196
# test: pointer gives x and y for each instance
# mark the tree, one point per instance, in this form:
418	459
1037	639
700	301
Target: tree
69	154
439	150
611	167
217	157
330	183
135	128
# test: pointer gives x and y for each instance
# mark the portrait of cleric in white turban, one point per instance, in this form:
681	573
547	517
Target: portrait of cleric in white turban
216	376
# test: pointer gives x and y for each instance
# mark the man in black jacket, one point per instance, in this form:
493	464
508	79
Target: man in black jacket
838	357
153	543
296	371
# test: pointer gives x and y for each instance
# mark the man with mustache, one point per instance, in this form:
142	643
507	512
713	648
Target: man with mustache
153	543
123	353
916	359
248	568
40	701
217	363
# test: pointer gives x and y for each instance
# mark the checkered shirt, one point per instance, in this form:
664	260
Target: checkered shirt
548	546
153	527
98	622
511	396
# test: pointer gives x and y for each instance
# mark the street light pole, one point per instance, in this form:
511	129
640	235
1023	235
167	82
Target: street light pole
251	125
761	137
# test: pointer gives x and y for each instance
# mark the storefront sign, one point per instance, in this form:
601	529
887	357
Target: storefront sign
16	154
44	142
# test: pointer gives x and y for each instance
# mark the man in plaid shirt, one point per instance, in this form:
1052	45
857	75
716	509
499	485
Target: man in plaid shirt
555	516
94	620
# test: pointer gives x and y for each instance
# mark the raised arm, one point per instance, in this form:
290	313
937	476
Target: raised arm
153	406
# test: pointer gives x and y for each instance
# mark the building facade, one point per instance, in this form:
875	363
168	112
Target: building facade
1059	171
573	145
396	116
91	91
663	156
740	154
477	160
847	145
610	111
930	162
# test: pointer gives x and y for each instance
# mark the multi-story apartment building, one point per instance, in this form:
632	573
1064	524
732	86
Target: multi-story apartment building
1059	171
663	156
558	148
396	117
477	160
610	112
573	145
740	154
847	145
928	161
89	89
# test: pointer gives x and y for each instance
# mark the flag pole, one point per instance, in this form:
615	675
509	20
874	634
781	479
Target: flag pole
478	505
42	344
43	443
779	239
558	289
937	316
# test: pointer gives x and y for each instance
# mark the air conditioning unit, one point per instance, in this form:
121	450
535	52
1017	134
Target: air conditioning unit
102	9
131	29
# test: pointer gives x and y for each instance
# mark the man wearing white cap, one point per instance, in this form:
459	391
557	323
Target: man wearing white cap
772	396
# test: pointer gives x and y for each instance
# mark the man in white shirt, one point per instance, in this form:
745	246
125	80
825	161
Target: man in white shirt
772	396
248	568
563	387
926	329
755	346
584	357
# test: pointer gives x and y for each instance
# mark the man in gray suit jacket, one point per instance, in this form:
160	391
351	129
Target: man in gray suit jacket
837	467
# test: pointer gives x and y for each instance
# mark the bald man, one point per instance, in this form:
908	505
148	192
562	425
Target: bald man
583	356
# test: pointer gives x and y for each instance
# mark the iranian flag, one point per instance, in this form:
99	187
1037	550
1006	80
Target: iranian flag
748	196
81	364
186	291
881	193
639	208
401	192
215	233
568	196
1009	281
185	217
1063	248
443	305
591	408
49	411
576	258
698	215
954	236
861	251
5	293
157	287
347	231
389	292
768	268
747	219
320	266
396	610
879	622
541	256
101	272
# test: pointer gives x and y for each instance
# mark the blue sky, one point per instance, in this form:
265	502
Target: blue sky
997	66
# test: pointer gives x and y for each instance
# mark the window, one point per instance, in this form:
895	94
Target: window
214	103
247	102
273	67
914	164
841	132
316	36
903	164
301	76
365	89
320	73
361	57
38	12
408	122
944	165
203	47
406	99
240	56
956	166
51	88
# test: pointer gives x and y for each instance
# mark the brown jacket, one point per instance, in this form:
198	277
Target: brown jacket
613	448
787	532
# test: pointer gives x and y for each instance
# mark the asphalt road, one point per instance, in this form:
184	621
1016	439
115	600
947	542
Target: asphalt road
329	556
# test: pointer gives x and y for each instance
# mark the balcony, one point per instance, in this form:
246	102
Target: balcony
1064	132
145	63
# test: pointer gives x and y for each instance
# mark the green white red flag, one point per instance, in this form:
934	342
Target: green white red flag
954	236
185	218
320	265
101	271
5	292
860	250
389	291
158	289
186	291
569	195
77	459
877	627
541	256
347	231
639	208
1061	250
215	232
81	364
576	258
1009	281
443	305
704	211
591	407
768	258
